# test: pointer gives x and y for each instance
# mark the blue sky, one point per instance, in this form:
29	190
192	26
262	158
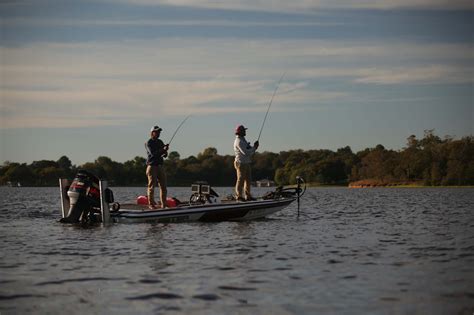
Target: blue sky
89	78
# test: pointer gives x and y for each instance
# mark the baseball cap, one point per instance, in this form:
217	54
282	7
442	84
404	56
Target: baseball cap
155	128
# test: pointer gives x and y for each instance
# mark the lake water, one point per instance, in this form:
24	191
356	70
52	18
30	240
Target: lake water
367	251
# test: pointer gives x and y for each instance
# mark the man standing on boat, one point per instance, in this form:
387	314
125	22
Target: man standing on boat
242	163
155	173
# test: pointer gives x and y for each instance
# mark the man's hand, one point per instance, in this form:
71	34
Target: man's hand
164	153
256	144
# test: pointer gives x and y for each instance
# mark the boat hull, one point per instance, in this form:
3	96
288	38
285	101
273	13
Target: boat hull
232	211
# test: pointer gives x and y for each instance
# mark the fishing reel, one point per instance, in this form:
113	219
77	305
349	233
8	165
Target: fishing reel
202	193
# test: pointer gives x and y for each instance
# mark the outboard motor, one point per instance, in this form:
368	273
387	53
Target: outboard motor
84	196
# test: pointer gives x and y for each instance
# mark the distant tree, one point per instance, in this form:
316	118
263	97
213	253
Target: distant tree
412	142
265	165
460	162
331	172
113	171
282	177
64	163
49	176
134	171
4	168
36	165
94	168
19	173
430	139
432	160
379	164
208	152
174	156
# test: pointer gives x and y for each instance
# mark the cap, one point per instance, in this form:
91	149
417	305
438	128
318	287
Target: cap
155	128
239	129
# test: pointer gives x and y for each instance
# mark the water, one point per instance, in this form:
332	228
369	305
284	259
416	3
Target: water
372	251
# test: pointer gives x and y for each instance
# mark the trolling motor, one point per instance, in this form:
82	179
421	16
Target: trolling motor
84	198
288	192
300	192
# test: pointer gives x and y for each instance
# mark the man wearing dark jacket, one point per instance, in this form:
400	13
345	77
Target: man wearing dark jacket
156	150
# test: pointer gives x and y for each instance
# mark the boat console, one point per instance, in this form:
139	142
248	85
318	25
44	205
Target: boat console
202	193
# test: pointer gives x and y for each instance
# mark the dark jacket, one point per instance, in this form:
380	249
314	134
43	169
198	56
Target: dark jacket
155	151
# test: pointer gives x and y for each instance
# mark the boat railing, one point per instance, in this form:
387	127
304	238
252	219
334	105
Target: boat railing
104	205
65	204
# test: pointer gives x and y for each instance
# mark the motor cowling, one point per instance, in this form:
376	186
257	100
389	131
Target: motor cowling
84	196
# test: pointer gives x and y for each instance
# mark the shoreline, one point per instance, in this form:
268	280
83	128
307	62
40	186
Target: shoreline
373	183
410	186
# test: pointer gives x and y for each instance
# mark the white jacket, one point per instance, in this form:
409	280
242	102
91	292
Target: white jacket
243	150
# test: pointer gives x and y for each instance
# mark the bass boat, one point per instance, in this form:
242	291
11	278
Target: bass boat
88	199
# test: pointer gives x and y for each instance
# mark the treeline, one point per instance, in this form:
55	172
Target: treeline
429	161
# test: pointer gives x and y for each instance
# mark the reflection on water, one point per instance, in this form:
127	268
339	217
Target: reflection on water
373	251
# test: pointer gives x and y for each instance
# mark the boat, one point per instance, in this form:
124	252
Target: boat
87	199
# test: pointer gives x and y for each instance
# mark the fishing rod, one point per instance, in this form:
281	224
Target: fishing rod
172	137
176	131
269	105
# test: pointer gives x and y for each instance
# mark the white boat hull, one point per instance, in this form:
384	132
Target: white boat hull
233	211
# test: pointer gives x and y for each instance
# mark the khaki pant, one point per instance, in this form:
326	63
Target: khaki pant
156	174
244	178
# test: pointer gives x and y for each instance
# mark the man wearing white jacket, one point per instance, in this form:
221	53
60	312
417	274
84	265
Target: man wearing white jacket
243	159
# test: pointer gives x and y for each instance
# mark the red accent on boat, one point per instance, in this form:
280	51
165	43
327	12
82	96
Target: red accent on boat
94	192
142	200
171	202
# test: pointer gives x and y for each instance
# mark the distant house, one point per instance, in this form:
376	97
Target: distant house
265	183
10	184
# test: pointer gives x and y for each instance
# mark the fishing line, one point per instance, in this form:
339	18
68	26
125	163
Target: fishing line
269	105
176	131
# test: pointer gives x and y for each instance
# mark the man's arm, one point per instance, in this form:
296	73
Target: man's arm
163	149
149	148
245	148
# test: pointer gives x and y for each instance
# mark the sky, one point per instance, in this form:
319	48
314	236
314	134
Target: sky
90	78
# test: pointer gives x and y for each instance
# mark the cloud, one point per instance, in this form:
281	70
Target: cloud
119	102
111	83
306	6
432	74
56	22
113	102
435	74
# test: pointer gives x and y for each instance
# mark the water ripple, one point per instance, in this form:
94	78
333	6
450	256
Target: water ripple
20	296
399	249
78	280
166	296
206	297
233	288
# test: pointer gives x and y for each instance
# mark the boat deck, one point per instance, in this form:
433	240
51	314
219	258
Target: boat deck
137	207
